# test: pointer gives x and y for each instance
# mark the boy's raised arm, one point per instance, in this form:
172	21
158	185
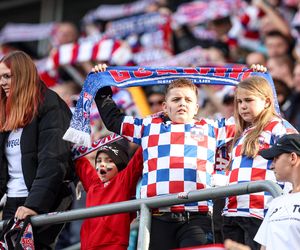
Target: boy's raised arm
111	115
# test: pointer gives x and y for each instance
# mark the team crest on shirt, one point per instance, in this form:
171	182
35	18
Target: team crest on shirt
197	133
261	142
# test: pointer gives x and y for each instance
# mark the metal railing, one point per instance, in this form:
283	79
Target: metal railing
145	206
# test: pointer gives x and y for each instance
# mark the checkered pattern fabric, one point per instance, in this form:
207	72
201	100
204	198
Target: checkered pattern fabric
222	158
244	169
177	157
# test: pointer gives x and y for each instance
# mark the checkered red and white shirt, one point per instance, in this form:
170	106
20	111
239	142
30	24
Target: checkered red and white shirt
177	157
244	169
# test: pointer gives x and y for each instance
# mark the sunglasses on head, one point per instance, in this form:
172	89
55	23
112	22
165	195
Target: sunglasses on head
156	103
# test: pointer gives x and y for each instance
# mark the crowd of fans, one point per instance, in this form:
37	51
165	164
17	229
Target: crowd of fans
227	33
193	33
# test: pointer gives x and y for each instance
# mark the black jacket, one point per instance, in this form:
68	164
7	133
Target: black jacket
112	116
46	157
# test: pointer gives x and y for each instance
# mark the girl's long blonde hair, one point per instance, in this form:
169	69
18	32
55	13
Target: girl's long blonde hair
259	87
21	105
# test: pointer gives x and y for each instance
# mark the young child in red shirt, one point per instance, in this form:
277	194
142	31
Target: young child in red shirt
111	181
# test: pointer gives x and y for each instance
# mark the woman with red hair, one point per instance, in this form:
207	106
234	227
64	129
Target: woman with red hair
34	160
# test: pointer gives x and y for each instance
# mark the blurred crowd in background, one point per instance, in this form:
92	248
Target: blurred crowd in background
230	33
227	33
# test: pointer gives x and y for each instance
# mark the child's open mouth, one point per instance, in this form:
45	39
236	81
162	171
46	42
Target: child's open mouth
102	171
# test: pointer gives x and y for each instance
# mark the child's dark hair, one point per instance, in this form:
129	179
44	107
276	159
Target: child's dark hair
118	154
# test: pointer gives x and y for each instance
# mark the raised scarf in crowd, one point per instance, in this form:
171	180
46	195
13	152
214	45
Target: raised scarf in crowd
198	12
21	32
124	77
110	50
115	11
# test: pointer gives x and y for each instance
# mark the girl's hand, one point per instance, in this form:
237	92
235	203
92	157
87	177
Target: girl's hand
22	212
258	68
99	68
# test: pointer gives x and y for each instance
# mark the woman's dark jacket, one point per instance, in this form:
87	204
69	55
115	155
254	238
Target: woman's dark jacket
46	157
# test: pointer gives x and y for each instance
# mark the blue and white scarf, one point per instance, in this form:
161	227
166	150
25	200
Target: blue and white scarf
124	77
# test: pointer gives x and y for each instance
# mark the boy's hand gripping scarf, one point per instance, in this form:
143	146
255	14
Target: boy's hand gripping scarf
124	77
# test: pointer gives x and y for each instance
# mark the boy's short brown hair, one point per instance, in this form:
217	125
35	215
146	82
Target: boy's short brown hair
182	83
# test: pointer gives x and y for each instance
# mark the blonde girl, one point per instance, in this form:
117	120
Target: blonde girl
258	126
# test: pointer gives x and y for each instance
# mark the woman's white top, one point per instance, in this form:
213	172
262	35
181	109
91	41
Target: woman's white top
16	185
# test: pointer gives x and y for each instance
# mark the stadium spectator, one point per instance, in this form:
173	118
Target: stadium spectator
281	67
34	160
110	182
283	92
278	44
65	32
68	92
257	126
156	100
280	227
272	234
256	58
164	163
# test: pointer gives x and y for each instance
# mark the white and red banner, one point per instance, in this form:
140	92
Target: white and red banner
115	52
